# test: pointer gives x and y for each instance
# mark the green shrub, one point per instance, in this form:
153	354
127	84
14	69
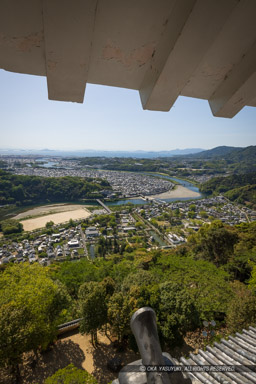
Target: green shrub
71	375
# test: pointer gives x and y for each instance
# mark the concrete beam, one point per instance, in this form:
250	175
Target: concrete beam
21	37
197	28
68	30
238	88
178	16
236	37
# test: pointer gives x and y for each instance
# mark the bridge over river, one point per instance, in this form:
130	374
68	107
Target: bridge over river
104	206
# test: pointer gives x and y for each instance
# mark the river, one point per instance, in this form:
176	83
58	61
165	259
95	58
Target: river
47	163
138	201
184	183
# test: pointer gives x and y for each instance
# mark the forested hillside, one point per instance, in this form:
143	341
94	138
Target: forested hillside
223	184
237	160
243	195
243	160
240	188
243	154
220	152
25	190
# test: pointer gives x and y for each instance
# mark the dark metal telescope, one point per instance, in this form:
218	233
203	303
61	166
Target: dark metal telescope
143	325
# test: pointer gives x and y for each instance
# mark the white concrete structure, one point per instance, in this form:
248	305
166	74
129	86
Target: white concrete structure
73	243
175	239
163	48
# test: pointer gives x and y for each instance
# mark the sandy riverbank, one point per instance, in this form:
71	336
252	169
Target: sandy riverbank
58	213
178	192
48	209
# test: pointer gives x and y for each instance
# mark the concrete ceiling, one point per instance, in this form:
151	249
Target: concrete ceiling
162	48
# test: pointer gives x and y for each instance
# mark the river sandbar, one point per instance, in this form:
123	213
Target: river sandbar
178	192
48	209
74	212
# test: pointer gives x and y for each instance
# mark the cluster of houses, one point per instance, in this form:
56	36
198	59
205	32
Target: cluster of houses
91	233
218	208
17	252
153	210
127	223
44	249
73	242
134	184
66	242
32	160
202	210
124	184
205	177
124	224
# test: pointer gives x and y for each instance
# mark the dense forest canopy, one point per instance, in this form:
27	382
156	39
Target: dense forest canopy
10	226
25	190
31	304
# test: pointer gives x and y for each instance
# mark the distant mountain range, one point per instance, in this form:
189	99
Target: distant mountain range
235	154
98	153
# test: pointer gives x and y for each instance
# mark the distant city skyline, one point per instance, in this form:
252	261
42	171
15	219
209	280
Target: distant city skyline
111	119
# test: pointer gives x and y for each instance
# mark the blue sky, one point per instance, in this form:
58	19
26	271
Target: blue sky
111	119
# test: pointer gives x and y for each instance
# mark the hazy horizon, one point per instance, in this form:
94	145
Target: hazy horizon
111	149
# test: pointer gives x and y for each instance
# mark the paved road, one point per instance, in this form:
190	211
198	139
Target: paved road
231	202
151	226
84	242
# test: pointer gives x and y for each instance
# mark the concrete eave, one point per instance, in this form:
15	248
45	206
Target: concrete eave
166	48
